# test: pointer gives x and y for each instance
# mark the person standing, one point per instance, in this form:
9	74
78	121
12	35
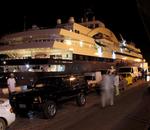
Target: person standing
11	82
112	69
107	95
116	84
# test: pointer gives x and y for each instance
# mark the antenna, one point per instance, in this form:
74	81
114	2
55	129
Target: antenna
121	37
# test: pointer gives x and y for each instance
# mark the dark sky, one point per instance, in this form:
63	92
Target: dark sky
120	16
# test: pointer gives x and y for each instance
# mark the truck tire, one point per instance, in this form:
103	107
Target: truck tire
2	124
81	99
49	109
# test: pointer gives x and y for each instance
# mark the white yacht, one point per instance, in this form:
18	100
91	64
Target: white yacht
68	48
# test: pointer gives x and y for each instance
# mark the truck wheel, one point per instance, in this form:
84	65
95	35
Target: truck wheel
2	124
49	109
81	99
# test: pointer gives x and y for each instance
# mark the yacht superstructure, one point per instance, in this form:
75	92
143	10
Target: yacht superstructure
68	48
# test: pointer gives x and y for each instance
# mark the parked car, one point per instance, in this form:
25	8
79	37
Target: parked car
7	116
94	80
122	83
128	77
46	93
132	70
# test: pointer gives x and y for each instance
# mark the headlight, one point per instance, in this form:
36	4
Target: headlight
35	99
14	98
72	78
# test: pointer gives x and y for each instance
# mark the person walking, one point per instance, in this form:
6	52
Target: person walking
107	95
11	82
116	84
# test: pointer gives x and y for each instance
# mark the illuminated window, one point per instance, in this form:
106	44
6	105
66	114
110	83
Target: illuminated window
124	58
56	68
68	42
71	49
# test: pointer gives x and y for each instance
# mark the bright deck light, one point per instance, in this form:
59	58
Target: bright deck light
4	62
121	50
81	44
124	43
113	55
100	51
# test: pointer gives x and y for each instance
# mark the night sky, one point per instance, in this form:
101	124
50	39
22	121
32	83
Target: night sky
120	16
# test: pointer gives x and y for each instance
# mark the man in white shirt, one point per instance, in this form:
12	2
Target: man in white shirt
112	69
11	82
116	84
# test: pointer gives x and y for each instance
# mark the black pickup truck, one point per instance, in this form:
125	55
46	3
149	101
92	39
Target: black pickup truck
46	93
